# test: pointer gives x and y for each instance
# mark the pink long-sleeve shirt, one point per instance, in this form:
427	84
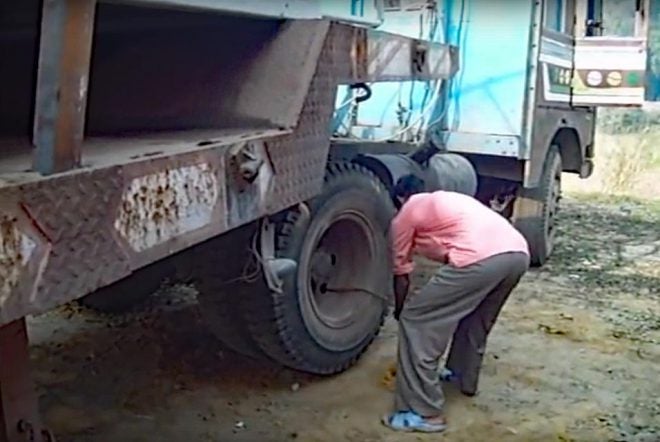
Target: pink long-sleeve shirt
450	227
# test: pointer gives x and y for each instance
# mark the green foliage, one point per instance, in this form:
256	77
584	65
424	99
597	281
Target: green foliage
627	121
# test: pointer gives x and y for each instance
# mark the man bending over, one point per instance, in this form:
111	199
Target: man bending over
483	257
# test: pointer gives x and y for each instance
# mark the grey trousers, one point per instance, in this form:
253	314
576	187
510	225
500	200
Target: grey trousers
463	302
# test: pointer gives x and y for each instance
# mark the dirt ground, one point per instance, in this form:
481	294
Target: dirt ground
575	356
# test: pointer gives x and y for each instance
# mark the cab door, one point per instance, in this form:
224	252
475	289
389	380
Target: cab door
609	64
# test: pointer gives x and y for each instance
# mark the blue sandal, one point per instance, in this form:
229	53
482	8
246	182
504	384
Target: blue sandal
447	375
409	422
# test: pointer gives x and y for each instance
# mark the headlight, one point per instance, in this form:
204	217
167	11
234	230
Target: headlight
594	78
614	78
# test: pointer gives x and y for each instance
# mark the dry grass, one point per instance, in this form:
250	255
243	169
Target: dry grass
627	160
626	164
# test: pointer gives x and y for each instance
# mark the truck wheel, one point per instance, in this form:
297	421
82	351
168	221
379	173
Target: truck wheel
222	281
333	305
127	293
536	209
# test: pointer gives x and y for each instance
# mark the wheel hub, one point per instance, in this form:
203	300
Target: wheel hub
321	268
340	268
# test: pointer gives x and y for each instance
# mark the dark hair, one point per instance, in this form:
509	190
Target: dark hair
407	186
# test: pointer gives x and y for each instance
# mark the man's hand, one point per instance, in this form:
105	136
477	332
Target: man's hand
401	287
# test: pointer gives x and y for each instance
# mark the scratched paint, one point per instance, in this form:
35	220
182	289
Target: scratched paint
16	248
158	207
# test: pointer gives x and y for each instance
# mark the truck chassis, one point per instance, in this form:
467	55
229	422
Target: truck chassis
92	202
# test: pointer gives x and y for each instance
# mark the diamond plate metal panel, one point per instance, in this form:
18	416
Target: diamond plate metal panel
74	213
170	203
87	223
23	256
299	159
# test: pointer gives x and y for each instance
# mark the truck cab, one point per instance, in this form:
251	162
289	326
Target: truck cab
522	107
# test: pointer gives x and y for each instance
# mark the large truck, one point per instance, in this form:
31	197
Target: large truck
251	147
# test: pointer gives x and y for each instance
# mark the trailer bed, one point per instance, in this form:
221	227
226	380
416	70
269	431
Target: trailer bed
102	152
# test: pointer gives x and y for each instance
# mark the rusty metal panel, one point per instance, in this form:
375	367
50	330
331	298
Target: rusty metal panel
74	213
139	200
299	160
64	57
170	203
166	203
377	56
67	235
365	55
24	253
277	82
397	58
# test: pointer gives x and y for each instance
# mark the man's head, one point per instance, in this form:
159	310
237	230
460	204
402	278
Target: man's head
407	186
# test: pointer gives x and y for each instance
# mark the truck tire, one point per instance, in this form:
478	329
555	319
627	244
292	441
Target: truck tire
536	209
125	294
218	279
320	324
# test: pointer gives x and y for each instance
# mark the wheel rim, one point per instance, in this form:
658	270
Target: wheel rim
342	258
552	209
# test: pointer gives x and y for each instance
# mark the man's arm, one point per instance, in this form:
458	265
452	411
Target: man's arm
403	238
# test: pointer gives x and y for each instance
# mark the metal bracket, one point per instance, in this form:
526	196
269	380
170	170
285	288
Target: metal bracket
245	163
276	269
419	59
